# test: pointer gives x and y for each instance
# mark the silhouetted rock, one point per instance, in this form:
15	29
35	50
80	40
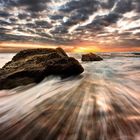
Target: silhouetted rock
91	57
32	66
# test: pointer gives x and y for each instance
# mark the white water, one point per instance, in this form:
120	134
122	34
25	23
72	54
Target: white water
101	104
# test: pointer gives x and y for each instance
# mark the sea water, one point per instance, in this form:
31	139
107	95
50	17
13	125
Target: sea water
103	103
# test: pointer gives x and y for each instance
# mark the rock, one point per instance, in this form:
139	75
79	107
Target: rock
26	53
91	57
32	66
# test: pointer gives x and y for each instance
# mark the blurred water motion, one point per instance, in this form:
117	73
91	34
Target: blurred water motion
101	104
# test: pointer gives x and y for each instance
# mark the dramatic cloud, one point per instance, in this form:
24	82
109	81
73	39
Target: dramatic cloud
113	23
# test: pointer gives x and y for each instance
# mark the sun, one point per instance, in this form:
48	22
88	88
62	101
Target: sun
86	49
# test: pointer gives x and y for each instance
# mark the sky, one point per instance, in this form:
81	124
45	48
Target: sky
75	25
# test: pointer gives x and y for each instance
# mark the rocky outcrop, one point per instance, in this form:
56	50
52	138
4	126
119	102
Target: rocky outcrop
32	66
91	57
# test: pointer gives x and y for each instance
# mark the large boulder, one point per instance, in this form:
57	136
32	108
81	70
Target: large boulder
32	66
91	57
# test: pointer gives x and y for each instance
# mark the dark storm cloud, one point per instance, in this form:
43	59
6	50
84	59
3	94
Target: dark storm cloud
31	2
4	14
22	16
80	10
31	25
56	17
42	24
106	20
102	21
39	24
70	22
13	20
75	18
107	5
59	30
87	5
124	6
67	20
37	7
32	5
111	18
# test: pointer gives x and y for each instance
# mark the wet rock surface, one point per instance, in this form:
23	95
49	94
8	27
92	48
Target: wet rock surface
91	57
32	66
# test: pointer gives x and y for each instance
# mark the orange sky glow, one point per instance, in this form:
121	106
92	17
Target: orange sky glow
77	48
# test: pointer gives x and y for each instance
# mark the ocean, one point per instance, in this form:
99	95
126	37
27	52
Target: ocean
103	103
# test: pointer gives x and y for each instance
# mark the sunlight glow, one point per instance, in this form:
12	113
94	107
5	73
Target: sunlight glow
86	49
